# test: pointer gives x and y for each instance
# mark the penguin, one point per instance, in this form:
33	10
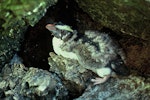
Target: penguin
95	51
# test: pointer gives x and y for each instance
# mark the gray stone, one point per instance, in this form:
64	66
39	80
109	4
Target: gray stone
25	84
129	88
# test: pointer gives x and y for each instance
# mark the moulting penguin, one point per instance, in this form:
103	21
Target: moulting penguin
94	50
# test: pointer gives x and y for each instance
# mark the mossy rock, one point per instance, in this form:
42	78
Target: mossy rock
127	16
15	17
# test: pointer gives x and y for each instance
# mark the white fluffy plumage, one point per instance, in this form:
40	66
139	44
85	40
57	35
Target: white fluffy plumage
95	51
58	50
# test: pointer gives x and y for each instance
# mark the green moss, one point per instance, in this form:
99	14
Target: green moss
15	17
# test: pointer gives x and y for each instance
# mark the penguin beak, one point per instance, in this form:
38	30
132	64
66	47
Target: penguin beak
55	32
51	27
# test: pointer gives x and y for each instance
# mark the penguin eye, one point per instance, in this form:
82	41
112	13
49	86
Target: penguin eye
62	32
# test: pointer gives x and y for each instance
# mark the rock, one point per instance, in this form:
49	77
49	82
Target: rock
137	52
26	84
76	77
2	93
133	87
125	16
15	17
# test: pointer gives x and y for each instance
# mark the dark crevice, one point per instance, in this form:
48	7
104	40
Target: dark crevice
64	11
36	46
38	40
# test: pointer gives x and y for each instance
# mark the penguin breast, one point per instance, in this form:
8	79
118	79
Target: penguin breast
58	50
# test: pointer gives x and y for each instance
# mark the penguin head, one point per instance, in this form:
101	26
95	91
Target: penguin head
63	32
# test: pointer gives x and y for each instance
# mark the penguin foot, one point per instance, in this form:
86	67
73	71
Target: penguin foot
99	80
